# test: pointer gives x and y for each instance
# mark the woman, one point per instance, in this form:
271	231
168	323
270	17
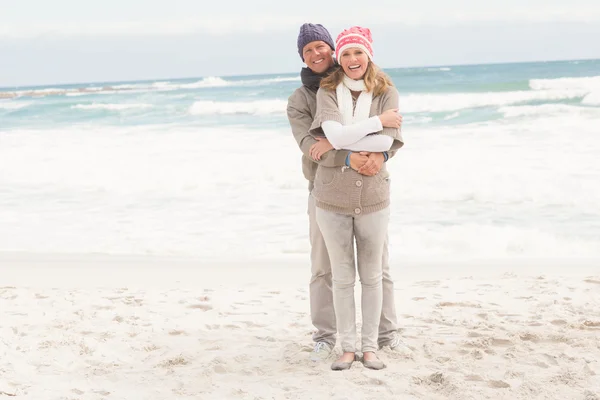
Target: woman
356	110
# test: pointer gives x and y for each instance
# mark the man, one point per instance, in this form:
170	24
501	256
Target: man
316	47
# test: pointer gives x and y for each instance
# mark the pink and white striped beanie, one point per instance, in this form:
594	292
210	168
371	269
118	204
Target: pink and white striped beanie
354	37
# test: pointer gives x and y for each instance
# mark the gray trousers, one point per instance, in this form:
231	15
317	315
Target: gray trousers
321	289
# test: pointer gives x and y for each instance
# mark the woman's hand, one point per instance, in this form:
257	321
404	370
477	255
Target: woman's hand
373	165
318	149
391	119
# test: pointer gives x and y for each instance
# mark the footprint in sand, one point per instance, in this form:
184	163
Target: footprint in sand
529	337
242	359
507	315
524	298
514	375
46	345
427	351
437	378
101	308
252	324
591	395
558	339
132	301
588	371
551	359
591	280
203	307
558	322
150	348
220	369
427	283
457	304
173	362
498	385
566	377
501	342
266	338
591	324
479	343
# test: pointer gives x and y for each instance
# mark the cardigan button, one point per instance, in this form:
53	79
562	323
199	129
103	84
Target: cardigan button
359	183
357	211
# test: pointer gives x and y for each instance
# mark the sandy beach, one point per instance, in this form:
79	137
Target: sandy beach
131	327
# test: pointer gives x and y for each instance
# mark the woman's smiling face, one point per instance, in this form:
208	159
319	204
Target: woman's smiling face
354	61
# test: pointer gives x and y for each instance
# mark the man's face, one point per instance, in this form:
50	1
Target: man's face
318	56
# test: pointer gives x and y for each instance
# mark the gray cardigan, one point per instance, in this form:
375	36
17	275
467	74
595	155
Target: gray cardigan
341	189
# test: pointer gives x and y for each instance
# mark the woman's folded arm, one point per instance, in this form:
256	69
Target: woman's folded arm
340	136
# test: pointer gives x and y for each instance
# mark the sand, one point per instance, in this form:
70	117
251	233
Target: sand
125	327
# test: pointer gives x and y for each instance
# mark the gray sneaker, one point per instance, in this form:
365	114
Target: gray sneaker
398	346
321	351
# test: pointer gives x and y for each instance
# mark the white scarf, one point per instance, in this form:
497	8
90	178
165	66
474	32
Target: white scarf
362	110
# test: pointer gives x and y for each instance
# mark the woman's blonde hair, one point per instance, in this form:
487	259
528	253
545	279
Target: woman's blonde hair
376	81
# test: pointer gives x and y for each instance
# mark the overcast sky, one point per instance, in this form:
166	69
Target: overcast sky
68	41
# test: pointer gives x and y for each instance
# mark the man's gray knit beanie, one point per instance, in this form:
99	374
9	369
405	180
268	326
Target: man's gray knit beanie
311	33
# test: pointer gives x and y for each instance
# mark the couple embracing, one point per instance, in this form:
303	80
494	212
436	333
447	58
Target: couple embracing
345	120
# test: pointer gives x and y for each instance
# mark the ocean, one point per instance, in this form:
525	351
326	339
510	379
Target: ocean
500	162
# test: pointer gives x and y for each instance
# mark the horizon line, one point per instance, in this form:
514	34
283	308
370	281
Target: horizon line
19	87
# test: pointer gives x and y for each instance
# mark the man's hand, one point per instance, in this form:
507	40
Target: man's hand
373	165
358	160
318	149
